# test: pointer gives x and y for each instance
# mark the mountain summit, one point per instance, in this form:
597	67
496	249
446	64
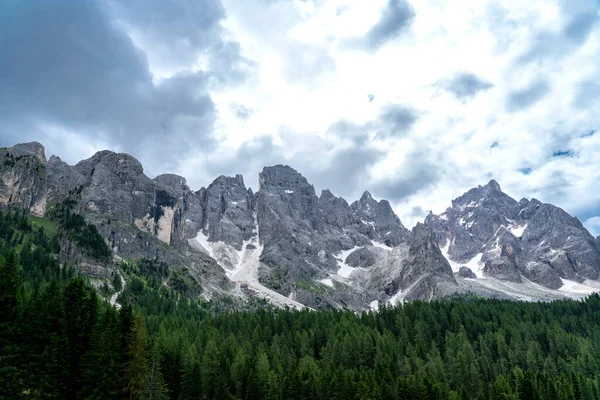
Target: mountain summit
294	248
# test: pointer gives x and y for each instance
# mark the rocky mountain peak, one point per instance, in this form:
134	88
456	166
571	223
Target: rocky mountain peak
326	195
492	185
366	197
282	178
23	177
29	149
121	164
174	183
229	181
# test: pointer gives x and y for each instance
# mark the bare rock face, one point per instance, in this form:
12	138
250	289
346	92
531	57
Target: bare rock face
361	258
466	272
137	216
285	240
426	274
113	187
515	240
379	220
229	211
503	269
23	177
62	178
303	236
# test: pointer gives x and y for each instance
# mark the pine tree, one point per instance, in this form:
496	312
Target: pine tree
102	362
155	387
136	369
10	281
191	380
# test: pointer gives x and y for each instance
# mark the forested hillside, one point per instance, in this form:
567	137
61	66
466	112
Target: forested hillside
60	339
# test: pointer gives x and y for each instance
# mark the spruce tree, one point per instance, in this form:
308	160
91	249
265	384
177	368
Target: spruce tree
135	371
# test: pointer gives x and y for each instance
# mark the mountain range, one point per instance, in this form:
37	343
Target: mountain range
295	248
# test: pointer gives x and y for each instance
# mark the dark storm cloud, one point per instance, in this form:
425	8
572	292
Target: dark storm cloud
522	99
396	120
180	31
393	121
396	17
344	129
69	64
347	171
466	84
418	171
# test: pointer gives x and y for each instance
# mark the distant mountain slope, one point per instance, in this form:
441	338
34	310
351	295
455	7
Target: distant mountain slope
292	247
498	237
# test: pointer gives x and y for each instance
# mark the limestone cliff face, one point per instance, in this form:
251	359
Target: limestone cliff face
319	250
23	177
113	187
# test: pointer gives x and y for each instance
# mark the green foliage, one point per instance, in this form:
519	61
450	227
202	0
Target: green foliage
57	341
85	235
311	286
274	280
48	226
117	282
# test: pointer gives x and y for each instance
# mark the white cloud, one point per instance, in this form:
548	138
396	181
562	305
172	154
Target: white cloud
528	109
498	88
593	225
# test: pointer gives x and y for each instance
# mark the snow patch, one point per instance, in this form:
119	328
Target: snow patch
327	282
381	246
368	223
454	265
241	266
374	305
396	298
289	191
345	270
474	264
202	240
517	231
579	288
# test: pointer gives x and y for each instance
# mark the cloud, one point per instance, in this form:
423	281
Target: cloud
419	170
466	84
579	19
587	93
305	63
240	111
522	99
396	120
336	161
213	87
593	225
176	32
69	65
395	18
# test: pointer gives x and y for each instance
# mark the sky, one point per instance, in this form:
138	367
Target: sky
414	101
